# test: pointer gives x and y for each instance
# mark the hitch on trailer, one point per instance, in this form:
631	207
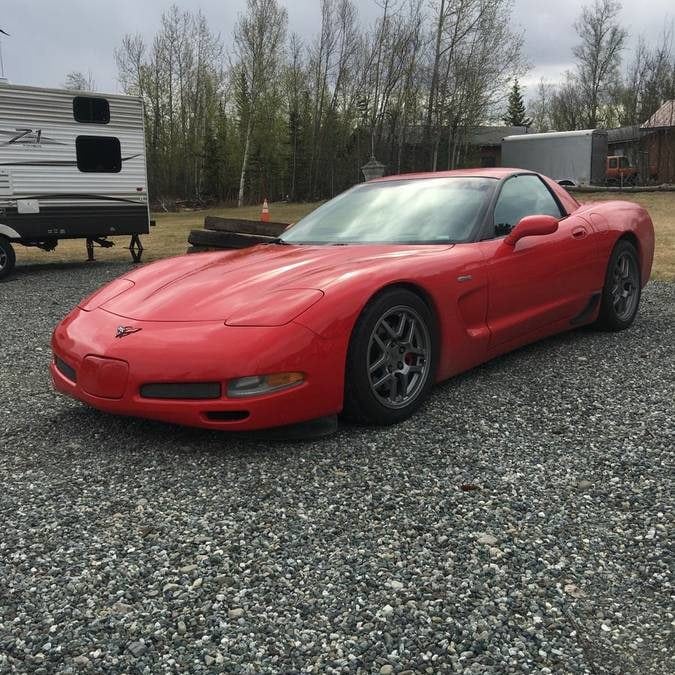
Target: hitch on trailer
44	245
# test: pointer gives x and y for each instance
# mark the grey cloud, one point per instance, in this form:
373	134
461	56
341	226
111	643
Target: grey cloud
49	38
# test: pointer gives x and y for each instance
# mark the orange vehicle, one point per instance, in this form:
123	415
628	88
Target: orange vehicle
620	172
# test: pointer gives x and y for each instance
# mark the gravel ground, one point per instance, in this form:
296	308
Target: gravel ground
519	523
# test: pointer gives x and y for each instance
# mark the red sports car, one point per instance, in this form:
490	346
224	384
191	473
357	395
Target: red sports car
358	308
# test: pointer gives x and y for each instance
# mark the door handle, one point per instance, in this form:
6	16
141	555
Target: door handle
579	232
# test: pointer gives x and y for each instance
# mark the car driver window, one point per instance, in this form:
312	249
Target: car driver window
522	196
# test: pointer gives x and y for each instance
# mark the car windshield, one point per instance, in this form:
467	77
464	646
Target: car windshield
415	211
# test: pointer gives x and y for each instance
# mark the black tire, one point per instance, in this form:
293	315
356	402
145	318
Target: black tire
621	292
404	367
7	257
216	239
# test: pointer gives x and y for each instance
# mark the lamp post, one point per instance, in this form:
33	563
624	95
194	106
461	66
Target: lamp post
373	169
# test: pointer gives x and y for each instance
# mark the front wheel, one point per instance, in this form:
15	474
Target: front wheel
391	360
7	257
621	292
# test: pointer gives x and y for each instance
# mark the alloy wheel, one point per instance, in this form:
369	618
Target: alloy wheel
625	288
398	357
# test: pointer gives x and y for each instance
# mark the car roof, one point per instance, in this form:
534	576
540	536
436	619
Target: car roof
491	172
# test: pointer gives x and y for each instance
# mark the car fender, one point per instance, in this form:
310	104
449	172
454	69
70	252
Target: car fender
613	220
454	284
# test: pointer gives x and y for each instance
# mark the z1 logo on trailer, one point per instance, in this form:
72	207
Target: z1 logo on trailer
27	137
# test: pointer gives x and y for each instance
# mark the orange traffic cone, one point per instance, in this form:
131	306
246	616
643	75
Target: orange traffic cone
265	213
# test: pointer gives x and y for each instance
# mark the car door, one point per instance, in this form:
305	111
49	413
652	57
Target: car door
542	280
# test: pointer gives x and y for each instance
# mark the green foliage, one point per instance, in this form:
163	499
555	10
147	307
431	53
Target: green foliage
220	151
516	114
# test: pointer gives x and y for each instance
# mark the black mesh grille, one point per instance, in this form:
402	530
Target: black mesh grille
226	415
65	369
181	390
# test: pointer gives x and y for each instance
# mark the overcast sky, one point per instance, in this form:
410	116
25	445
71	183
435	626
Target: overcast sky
50	38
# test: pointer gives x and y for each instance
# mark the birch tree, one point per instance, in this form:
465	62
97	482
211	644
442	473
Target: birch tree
540	106
598	56
259	39
79	81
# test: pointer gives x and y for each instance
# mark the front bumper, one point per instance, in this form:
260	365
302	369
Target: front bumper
106	372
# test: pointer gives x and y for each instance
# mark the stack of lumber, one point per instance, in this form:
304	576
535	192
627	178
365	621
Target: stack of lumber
219	233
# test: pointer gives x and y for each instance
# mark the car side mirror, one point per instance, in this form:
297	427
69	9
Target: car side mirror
531	226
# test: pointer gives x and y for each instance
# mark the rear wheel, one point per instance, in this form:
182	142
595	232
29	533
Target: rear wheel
7	257
621	293
391	360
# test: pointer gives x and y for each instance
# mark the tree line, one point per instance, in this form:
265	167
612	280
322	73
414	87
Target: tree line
261	112
275	115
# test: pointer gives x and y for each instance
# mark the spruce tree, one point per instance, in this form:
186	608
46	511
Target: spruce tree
516	113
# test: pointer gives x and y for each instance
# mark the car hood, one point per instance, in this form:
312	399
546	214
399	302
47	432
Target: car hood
263	285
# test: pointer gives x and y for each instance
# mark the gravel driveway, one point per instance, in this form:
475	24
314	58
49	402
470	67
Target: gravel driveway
519	523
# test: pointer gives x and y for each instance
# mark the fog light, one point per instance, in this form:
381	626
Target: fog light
255	385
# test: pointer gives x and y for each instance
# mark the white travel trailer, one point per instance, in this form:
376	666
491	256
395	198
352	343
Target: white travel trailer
72	165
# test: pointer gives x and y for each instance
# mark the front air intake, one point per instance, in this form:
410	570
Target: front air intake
181	390
226	415
65	370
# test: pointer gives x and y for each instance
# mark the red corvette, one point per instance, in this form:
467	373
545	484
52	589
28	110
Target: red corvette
358	308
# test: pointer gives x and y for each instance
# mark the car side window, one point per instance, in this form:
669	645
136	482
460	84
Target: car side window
522	196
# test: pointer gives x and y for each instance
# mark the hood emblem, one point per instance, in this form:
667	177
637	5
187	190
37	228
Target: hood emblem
123	331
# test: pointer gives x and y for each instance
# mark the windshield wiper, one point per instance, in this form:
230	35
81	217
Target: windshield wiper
278	240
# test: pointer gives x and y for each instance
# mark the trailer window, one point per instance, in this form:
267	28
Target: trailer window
98	154
91	110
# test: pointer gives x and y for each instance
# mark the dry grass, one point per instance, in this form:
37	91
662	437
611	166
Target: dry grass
169	237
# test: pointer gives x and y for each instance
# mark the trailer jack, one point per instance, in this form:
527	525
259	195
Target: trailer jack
103	243
136	248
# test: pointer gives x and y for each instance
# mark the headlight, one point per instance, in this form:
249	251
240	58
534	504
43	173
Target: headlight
254	385
108	292
276	308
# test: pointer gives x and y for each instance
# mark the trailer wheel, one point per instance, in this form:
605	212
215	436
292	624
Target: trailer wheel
7	257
